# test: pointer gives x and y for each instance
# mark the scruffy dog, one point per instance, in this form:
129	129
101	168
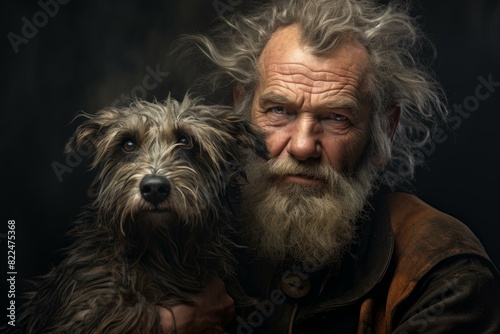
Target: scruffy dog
168	179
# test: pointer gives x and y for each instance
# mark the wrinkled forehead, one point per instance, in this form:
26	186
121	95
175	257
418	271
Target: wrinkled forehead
287	51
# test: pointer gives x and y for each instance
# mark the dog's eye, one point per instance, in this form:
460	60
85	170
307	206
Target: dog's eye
185	141
129	146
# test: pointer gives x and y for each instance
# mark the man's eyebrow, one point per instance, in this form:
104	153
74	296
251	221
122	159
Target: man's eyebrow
337	103
273	97
343	103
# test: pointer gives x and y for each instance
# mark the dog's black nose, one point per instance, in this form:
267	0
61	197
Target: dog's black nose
154	188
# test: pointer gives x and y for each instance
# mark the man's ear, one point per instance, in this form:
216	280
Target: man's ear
238	93
393	116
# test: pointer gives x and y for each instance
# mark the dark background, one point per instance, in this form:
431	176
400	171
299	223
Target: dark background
91	52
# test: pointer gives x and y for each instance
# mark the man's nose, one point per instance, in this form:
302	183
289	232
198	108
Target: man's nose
304	142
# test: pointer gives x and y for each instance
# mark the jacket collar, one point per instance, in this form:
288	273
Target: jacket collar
367	262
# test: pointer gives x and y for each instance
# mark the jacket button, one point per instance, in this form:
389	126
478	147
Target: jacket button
294	286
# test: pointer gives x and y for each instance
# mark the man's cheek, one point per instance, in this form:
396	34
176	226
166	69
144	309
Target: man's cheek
276	141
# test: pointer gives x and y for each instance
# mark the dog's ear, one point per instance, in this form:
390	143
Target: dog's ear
246	134
250	136
86	136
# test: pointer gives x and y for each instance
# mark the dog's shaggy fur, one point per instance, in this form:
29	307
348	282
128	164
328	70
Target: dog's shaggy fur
168	178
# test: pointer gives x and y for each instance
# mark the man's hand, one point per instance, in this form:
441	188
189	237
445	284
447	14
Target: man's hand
213	310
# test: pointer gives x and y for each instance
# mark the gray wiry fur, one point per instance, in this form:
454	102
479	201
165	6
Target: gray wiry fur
131	255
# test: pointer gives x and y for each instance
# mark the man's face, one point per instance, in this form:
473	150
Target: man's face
313	108
301	205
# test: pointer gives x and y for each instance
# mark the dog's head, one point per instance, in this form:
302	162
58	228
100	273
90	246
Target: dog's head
161	162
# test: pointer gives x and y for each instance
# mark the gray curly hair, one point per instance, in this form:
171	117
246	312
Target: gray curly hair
393	40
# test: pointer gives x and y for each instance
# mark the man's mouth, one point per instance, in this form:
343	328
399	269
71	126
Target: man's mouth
301	179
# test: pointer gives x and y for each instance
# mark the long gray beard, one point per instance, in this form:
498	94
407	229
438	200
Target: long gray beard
291	222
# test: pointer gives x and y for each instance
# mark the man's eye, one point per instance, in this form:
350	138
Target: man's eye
277	110
129	146
338	117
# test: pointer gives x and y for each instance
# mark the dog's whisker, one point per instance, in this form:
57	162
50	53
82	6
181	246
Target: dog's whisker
188	189
191	169
180	170
184	199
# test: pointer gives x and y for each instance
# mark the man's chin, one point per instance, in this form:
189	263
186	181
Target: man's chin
298	191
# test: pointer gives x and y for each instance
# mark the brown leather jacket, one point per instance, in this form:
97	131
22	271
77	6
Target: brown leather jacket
414	270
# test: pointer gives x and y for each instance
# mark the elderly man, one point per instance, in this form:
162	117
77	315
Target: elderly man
337	89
